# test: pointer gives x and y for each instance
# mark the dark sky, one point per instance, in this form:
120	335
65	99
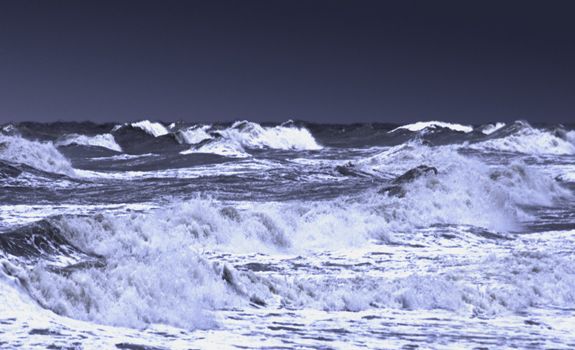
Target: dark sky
325	61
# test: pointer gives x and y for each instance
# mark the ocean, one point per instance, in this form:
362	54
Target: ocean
241	235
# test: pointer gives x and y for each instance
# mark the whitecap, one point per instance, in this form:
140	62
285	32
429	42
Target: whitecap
253	135
415	127
152	128
40	155
491	128
220	147
104	140
244	135
529	140
193	135
155	129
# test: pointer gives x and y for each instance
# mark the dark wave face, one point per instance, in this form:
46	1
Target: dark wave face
153	235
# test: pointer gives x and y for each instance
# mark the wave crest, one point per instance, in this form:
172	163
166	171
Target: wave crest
466	190
154	261
523	138
154	129
243	135
105	141
431	125
39	155
193	135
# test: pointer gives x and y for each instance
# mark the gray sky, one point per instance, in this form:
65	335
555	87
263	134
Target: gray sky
323	61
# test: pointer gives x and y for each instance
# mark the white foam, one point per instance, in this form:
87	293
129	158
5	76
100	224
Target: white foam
151	128
155	261
21	214
491	128
9	129
130	293
567	176
529	140
39	155
222	148
105	141
522	281
253	135
193	135
570	136
242	135
434	125
251	167
124	157
148	270
466	190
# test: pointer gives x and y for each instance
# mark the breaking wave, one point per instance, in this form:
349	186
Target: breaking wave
39	155
193	135
152	261
253	135
431	125
529	140
491	128
243	135
105	141
223	148
154	129
466	187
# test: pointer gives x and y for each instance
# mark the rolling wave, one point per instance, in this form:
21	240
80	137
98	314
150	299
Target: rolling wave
104	141
529	140
39	155
154	129
148	262
491	128
243	135
431	125
193	135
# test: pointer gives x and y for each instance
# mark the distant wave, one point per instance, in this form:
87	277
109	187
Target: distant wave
154	129
233	141
253	135
105	141
194	134
529	140
223	148
430	125
9	129
242	135
491	128
39	155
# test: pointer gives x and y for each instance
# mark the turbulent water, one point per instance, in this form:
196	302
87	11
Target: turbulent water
296	235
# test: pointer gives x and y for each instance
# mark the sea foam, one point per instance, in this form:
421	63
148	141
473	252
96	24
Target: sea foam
430	125
530	140
40	155
105	141
242	136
